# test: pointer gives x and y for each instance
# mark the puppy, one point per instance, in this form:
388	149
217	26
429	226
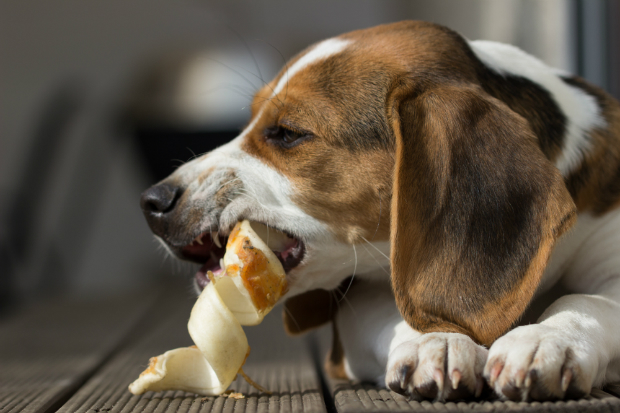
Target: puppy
455	181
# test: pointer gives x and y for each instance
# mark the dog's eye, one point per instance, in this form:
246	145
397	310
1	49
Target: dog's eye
284	137
289	136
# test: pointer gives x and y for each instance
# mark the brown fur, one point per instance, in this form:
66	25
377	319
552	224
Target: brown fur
472	229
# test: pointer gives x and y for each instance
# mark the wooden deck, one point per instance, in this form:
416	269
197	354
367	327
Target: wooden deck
72	356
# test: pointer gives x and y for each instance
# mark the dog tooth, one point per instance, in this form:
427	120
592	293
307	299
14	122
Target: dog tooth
216	239
519	377
198	240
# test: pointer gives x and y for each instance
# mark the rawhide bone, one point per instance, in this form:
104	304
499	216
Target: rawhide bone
242	294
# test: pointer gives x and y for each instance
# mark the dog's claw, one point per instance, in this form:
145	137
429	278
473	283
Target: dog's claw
566	378
495	372
439	366
456	377
519	377
438	377
479	386
540	363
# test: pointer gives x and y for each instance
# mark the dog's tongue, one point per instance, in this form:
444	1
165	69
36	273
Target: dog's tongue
213	265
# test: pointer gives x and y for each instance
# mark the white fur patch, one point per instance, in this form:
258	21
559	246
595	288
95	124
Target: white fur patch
581	110
319	52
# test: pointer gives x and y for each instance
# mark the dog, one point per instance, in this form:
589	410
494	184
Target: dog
455	181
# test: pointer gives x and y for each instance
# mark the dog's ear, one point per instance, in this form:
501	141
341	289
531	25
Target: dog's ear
309	310
476	210
314	308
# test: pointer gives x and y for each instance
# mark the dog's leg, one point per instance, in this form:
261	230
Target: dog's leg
576	343
366	321
373	334
564	355
440	366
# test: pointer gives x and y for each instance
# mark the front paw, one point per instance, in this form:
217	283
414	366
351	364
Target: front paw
538	362
440	366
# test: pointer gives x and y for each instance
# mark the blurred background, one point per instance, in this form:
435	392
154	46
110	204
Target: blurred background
99	100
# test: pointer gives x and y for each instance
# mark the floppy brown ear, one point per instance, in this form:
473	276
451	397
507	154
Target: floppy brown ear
314	308
476	210
307	311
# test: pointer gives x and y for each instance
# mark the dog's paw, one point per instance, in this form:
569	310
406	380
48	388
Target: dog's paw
538	362
440	366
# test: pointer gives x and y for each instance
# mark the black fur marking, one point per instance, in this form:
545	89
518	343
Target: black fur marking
531	101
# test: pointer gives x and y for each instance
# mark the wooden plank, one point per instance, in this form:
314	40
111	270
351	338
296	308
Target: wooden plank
281	364
49	349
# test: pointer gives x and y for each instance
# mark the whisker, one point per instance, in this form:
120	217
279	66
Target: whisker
354	271
230	181
346	300
249	50
238	73
292	318
284	65
266	84
379	222
260	75
382	266
245	91
194	156
243	192
260	101
370	243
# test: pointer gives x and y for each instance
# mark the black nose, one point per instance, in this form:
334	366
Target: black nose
160	198
158	203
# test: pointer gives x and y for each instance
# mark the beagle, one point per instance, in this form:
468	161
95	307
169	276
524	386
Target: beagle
455	181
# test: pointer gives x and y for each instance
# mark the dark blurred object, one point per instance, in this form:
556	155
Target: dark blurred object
613	18
164	148
23	206
183	105
597	42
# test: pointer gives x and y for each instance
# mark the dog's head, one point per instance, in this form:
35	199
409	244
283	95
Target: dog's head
380	143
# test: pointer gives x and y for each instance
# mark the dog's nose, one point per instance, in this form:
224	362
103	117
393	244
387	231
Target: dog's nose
157	202
160	198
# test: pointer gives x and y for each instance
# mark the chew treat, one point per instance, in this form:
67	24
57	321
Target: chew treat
255	271
252	282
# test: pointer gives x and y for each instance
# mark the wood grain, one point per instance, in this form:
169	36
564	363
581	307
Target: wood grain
48	350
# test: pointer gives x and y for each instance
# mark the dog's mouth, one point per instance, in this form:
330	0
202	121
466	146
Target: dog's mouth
209	248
